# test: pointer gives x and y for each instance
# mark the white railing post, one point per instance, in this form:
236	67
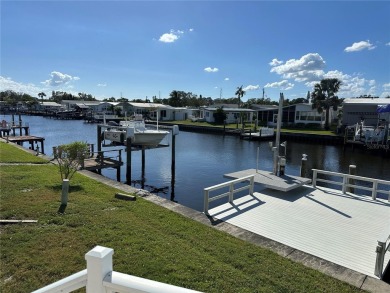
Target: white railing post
374	189
252	185
99	264
380	256
345	181
231	192
314	178
206	202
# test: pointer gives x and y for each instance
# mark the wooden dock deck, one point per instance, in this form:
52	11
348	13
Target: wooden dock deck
340	228
32	140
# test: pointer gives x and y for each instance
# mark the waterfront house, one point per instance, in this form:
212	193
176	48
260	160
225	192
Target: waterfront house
355	110
298	114
232	114
49	107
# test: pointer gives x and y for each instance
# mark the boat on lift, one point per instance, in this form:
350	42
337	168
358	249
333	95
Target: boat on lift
136	130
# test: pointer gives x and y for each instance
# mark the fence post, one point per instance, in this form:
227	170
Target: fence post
206	202
252	182
345	180
99	264
352	171
380	255
374	189
314	178
231	192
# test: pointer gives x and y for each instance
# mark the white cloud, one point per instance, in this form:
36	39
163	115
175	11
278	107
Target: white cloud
7	83
283	85
387	44
308	68
209	69
172	36
385	94
359	46
386	86
227	78
275	62
168	38
191	30
59	79
251	88
102	84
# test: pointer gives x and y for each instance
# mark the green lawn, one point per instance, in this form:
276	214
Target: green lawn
148	241
11	154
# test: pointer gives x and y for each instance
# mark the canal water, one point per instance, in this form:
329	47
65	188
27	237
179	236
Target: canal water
202	159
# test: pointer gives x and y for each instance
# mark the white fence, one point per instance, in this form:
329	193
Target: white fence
349	181
100	278
230	193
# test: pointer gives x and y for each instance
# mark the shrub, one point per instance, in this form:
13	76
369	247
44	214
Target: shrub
70	157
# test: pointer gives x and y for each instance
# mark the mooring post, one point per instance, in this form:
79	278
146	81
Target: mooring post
352	171
118	169
20	125
143	168
128	160
99	138
175	131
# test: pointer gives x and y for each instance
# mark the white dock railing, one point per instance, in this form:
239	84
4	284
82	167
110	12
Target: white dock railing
100	278
230	193
348	181
381	249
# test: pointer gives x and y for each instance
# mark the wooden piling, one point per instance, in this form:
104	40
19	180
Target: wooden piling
128	161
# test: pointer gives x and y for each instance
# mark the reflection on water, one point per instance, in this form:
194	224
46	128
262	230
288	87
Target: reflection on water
202	159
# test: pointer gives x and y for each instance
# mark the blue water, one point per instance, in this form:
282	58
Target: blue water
202	159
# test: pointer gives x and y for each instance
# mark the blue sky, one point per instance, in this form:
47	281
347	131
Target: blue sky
143	49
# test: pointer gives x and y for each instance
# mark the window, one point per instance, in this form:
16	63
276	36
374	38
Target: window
163	113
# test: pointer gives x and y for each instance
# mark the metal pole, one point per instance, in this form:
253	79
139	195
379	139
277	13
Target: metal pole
278	126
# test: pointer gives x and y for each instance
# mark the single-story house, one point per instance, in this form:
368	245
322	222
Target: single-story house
302	113
232	114
49	106
356	110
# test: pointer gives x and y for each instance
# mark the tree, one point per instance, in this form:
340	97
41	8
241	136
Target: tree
239	93
324	97
41	95
219	115
70	157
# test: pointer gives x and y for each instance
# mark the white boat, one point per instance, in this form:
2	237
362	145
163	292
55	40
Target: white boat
135	129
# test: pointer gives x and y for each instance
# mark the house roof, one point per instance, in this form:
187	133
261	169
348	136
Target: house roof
367	101
51	104
230	109
151	106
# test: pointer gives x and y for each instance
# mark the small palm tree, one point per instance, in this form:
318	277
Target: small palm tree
324	97
240	93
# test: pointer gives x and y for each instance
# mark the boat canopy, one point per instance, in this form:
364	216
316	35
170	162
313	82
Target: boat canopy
383	108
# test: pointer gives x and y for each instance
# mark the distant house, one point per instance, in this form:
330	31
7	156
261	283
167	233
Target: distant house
356	110
293	114
49	106
232	114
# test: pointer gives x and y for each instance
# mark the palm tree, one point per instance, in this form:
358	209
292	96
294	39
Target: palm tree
324	97
41	95
240	93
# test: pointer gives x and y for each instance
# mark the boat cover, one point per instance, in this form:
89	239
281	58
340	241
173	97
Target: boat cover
383	108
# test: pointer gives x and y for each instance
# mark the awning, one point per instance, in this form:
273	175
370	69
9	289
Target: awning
383	108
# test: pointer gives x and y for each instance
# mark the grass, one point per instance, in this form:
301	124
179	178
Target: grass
11	154
148	241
